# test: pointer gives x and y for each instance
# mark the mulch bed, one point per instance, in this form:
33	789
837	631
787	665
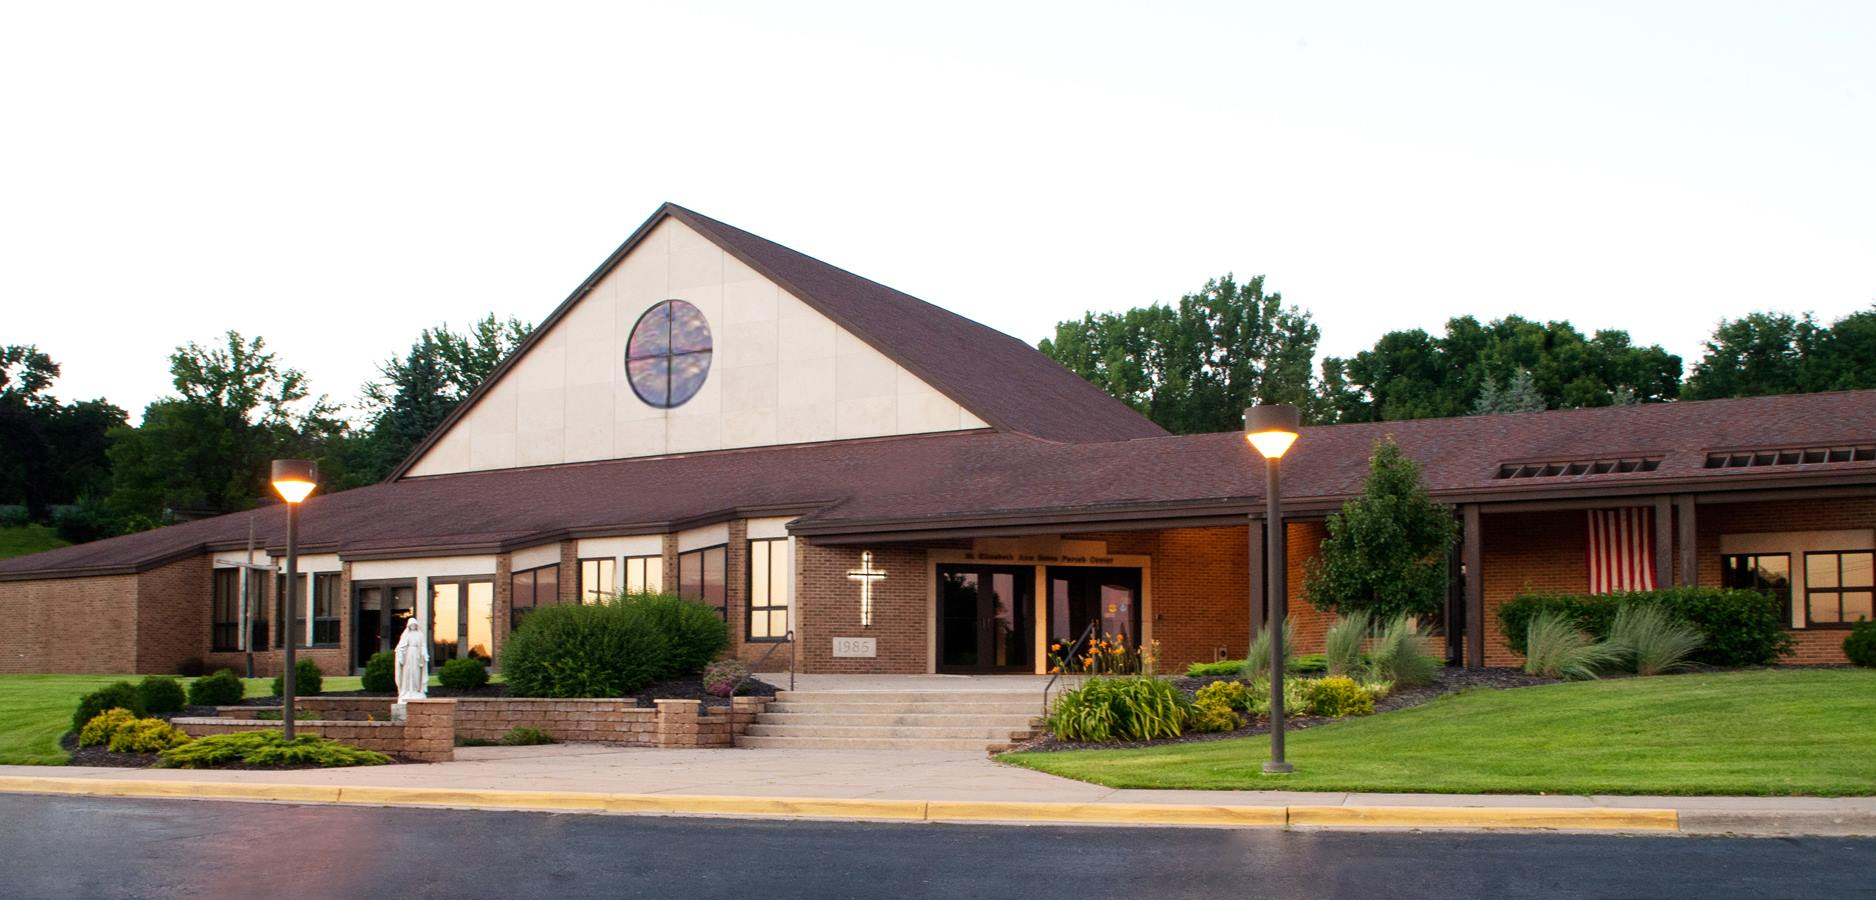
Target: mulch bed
1451	681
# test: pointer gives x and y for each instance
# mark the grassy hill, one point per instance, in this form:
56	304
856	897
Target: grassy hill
24	539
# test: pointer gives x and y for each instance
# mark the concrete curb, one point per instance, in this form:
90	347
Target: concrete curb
1349	817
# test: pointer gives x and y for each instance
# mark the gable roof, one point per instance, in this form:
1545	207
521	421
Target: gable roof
998	378
956	482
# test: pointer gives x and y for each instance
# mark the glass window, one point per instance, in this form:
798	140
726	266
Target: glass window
701	575
1839	588
326	609
225	624
1768	572
530	589
445	620
668	355
597	579
301	598
644	574
768	589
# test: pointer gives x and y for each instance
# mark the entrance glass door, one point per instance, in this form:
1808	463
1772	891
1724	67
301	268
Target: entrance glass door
986	619
1082	594
379	611
462	616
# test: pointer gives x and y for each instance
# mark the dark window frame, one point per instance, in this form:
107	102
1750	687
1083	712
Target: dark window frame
224	630
643	561
1784	594
611	590
517	612
702	556
328	601
750	607
1839	590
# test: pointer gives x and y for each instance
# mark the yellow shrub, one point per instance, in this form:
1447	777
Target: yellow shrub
1337	696
103	726
1229	694
147	736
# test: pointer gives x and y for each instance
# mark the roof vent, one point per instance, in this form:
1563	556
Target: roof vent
1566	468
1791	456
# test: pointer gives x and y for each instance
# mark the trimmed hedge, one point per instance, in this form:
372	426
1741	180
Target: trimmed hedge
695	633
1860	646
116	695
380	673
307	680
1741	627
465	673
223	688
162	694
602	650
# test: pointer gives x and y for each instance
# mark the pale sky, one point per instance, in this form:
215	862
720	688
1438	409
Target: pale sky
337	176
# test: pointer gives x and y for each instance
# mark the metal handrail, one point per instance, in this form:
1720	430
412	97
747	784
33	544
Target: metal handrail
1086	633
789	639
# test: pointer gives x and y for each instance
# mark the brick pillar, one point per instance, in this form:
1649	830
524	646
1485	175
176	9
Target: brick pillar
430	730
668	553
500	625
677	722
569	572
743	712
736	583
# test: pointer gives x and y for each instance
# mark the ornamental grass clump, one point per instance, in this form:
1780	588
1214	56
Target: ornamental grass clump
1258	666
1650	641
1399	656
1341	645
1123	708
1556	648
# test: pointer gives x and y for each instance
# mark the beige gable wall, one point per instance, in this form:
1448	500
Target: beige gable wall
781	373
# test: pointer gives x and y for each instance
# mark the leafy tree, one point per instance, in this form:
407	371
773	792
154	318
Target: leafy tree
1386	550
1413	374
416	393
1515	396
1194	367
1779	353
50	452
208	449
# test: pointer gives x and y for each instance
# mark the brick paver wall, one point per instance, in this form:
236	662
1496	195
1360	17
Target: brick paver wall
428	733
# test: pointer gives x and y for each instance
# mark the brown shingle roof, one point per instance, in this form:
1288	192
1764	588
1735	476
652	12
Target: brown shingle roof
980	479
1000	379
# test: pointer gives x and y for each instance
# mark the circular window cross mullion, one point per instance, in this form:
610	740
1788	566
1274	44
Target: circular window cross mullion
667	356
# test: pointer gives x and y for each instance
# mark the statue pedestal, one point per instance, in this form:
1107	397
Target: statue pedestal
399	711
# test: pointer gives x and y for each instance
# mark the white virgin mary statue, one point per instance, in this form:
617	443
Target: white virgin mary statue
413	663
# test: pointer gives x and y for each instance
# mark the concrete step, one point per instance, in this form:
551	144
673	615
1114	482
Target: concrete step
982	733
914	719
992	697
975	745
829	706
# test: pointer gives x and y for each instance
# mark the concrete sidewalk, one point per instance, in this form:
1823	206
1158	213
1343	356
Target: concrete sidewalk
938	785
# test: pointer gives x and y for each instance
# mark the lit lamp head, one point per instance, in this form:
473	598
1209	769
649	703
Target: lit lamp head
1272	427
295	478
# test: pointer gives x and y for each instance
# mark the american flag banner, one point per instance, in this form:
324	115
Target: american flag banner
1621	550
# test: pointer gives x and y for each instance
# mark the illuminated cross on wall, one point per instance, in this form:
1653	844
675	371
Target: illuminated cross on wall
866	575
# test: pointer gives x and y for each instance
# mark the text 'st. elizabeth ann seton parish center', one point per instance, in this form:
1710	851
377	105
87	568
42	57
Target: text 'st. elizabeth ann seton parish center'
906	491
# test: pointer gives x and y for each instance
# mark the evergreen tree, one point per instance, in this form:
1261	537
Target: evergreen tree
1386	550
1516	396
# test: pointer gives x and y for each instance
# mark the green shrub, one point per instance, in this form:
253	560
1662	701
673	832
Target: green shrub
162	694
1308	664
1739	627
1860	645
223	688
102	727
694	633
602	650
307	680
1336	696
1123	708
1216	706
722	676
1400	658
465	674
1650	641
1295	696
525	737
1222	668
146	736
268	748
1556	648
1341	645
1231	694
380	673
277	715
1258	666
116	695
1211	718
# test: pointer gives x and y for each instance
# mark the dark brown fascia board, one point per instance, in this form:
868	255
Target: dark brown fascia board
535	539
671	210
133	568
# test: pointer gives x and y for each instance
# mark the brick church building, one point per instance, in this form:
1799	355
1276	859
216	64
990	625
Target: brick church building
866	483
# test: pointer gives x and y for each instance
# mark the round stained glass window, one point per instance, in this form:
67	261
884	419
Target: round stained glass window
668	355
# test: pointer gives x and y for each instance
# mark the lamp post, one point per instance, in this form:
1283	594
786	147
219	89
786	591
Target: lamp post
1271	428
293	479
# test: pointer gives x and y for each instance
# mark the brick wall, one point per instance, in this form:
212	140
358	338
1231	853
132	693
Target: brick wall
830	607
69	625
672	723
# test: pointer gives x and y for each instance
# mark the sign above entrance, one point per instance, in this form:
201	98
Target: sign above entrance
1045	550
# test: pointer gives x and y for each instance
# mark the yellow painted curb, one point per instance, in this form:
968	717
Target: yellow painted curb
1569	818
1107	813
903	810
199	790
494	799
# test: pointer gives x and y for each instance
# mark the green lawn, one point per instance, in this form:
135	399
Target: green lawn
36	710
24	539
1762	732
